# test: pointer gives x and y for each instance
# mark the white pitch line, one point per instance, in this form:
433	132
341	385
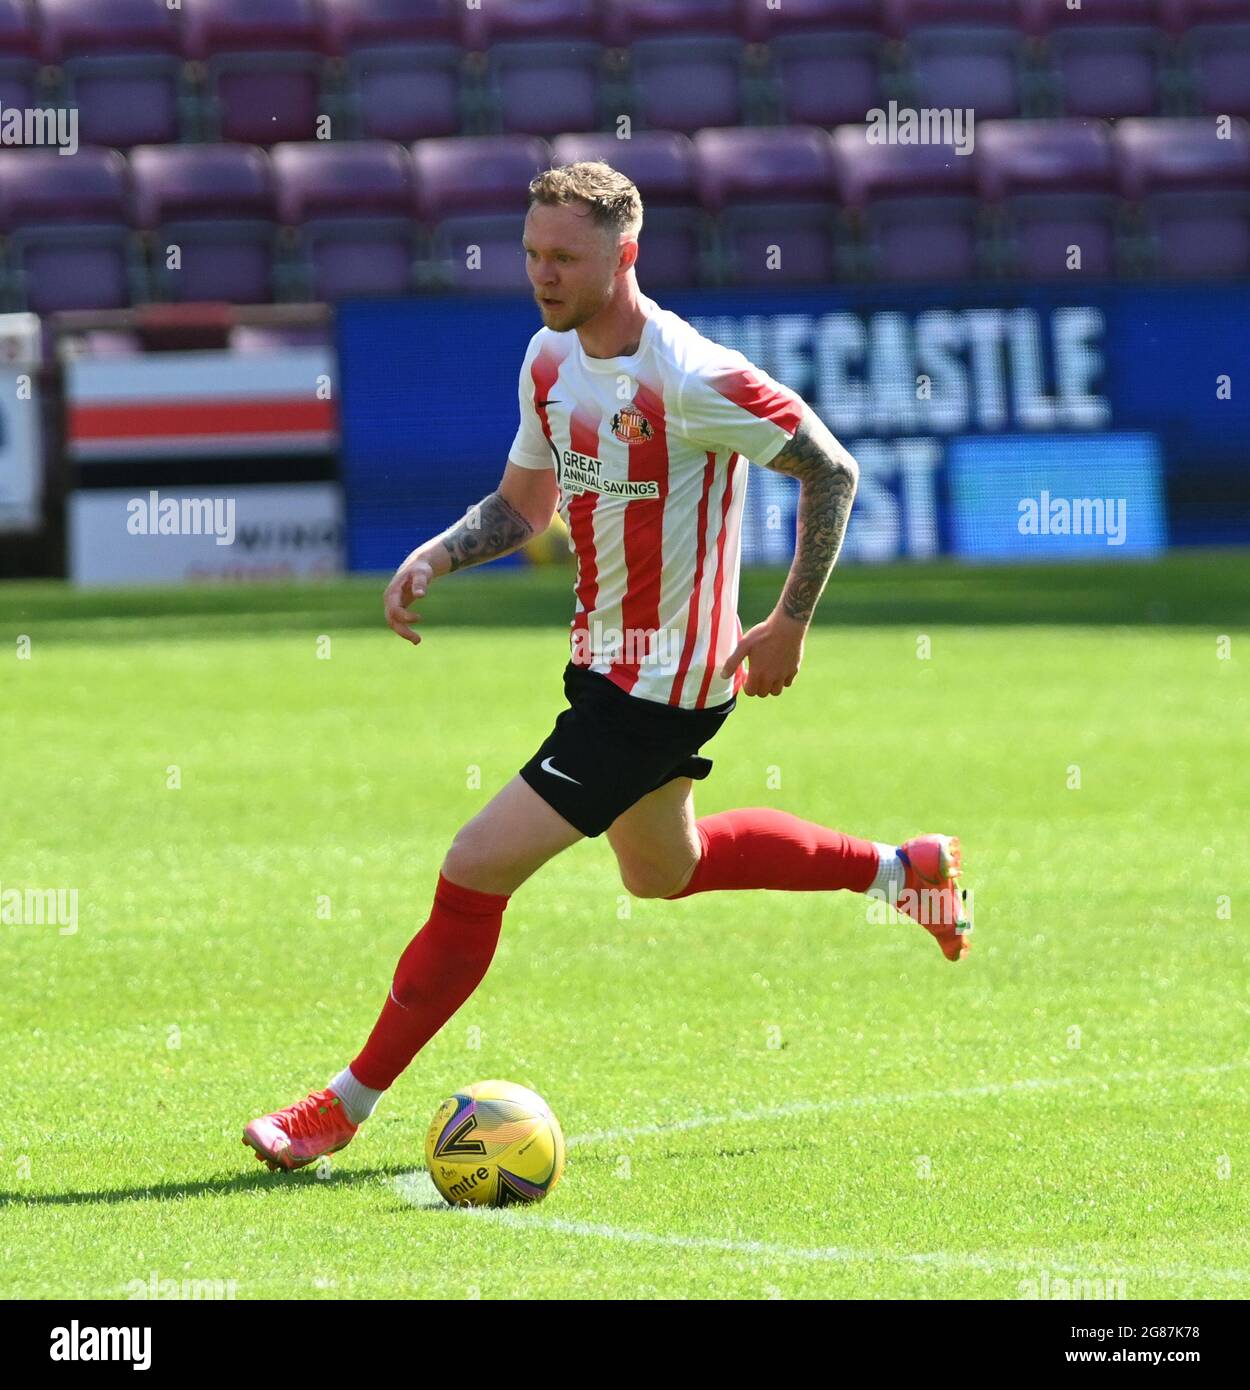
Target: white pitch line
833	1254
417	1189
819	1107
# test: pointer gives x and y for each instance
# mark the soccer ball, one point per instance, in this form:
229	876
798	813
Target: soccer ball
493	1144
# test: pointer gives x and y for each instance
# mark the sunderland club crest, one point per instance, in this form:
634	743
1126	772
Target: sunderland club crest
631	425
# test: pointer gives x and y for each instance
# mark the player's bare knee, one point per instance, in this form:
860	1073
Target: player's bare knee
472	855
650	880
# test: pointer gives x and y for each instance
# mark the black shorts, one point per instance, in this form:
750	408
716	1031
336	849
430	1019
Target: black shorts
609	750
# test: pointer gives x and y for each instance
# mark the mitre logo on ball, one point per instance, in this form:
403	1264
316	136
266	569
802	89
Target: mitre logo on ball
631	425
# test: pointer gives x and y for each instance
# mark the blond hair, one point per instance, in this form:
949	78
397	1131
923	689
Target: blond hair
612	198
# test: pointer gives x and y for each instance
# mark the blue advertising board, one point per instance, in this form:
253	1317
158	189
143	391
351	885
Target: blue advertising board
996	422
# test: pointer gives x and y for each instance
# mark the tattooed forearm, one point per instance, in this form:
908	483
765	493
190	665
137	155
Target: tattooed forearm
827	476
488	530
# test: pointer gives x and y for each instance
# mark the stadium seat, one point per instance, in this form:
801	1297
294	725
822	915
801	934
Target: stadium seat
1108	59
401	65
472	174
565	20
349	24
405	91
492	242
827	77
1218	59
19	54
475	189
1054	183
1192	192
913	206
64	219
263	65
761	24
215	203
352	206
773	193
122	67
963	53
628	20
542	88
676	230
686	83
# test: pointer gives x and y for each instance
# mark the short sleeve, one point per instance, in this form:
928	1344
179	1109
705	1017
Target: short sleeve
731	405
530	448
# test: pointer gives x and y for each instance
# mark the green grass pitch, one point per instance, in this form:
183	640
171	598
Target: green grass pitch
766	1095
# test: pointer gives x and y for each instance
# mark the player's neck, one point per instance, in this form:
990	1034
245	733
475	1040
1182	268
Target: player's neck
616	330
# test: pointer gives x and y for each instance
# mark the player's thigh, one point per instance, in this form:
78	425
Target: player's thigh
512	836
655	841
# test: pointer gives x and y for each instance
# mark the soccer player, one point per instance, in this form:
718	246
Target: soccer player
639	429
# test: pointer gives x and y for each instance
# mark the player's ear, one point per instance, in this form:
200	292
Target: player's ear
629	254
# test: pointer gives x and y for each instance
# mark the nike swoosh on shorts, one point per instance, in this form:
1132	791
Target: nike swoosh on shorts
555	772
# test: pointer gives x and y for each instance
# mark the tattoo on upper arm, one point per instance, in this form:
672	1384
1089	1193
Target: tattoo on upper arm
489	529
827	476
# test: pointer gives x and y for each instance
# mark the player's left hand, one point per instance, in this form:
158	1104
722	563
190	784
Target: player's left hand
775	647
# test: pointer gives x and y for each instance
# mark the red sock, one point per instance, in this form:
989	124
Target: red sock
763	848
442	965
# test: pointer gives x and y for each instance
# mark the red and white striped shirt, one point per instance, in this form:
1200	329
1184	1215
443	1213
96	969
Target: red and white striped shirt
650	453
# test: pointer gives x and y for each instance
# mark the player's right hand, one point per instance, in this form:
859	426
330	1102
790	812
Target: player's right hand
411	581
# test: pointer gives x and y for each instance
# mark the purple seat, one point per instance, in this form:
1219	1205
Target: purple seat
403	65
349	24
686	83
1054	181
628	20
1219	61
65	218
761	24
675	232
914	206
1185	14
827	77
352	203
405	91
565	20
476	174
264	66
480	253
1192	190
540	88
660	162
1107	59
122	66
215	203
19	54
783	164
774	192
962	53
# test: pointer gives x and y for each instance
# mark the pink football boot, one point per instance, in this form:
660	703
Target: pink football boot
301	1133
932	894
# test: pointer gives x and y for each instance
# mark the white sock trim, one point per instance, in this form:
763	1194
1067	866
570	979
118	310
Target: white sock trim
891	875
358	1098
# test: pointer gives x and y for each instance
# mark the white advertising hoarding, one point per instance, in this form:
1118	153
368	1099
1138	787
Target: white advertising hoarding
21	434
198	535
